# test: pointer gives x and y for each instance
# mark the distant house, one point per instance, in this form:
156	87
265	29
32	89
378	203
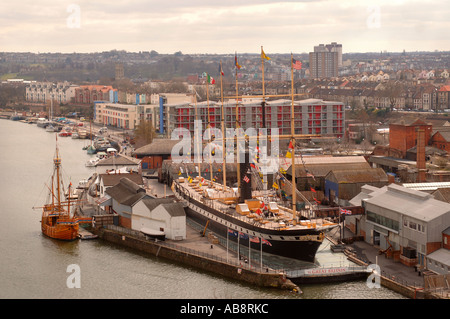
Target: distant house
160	216
441	140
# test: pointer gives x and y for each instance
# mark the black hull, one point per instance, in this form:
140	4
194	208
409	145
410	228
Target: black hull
301	244
329	279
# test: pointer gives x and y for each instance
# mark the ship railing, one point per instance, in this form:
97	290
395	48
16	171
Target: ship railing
242	263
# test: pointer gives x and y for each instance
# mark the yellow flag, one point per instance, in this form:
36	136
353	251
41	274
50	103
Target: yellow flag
275	185
263	55
179	172
288	155
282	170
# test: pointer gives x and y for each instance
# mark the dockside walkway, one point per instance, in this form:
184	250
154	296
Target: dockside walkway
394	275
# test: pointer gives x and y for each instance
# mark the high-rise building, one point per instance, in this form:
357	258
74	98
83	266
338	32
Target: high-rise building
119	71
324	61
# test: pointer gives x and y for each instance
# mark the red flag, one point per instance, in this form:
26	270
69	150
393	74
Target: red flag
290	145
297	65
313	190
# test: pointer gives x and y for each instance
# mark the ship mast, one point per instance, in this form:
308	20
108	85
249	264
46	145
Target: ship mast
223	132
294	187
238	171
57	162
209	126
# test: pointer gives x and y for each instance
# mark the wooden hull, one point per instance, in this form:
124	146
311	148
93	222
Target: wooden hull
66	230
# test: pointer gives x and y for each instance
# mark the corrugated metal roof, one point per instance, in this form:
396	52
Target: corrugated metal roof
431	186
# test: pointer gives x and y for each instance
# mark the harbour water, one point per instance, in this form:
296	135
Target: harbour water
33	266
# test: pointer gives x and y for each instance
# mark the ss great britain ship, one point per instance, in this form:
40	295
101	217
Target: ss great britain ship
253	218
57	221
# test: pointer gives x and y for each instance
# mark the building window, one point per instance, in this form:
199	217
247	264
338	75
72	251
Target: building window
383	221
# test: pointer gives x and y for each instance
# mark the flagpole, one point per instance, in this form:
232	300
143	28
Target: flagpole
263	106
294	186
262	66
223	132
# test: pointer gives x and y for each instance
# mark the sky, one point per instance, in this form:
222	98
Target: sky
223	27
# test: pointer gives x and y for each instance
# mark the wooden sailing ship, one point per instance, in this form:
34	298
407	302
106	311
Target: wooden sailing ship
57	221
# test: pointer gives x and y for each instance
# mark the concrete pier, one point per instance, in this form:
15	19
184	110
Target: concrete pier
196	251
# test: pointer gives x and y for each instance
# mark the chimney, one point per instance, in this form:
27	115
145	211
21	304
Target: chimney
420	156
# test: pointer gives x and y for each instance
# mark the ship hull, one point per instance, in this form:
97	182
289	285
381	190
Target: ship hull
300	244
66	232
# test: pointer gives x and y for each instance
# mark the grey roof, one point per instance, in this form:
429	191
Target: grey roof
359	175
126	192
114	179
322	165
441	255
409	202
174	209
157	147
119	159
152	203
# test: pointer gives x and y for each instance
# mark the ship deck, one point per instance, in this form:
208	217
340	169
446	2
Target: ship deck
275	217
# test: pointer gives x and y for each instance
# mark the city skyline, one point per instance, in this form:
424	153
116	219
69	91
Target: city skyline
219	28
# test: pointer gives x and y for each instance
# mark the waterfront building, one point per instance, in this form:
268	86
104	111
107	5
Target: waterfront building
105	181
343	185
115	114
161	215
311	116
118	162
311	171
405	223
88	94
43	92
122	197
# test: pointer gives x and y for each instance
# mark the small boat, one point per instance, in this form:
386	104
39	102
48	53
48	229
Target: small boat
50	128
91	149
64	133
92	162
42	122
75	135
57	221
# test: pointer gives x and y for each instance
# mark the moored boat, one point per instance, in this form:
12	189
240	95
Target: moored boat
271	228
57	221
